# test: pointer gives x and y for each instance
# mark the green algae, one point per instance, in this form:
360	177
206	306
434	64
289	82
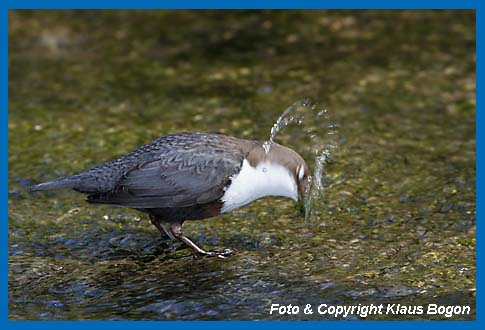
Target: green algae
398	221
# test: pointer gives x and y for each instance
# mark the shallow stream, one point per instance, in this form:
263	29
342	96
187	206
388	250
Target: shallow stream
396	222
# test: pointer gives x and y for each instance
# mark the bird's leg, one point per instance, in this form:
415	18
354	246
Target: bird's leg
176	229
164	232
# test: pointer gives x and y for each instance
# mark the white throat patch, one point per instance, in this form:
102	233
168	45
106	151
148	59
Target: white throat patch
251	183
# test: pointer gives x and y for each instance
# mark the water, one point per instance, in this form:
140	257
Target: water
396	221
320	134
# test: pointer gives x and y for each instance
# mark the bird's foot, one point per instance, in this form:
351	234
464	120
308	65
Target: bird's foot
176	231
223	255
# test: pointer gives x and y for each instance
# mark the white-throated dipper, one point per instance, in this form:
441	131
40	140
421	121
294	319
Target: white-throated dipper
191	176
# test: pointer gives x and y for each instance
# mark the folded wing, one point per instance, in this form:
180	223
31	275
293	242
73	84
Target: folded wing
181	179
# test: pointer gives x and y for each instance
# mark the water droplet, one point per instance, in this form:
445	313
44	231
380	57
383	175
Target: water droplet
267	146
314	123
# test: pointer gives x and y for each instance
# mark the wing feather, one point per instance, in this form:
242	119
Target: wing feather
180	179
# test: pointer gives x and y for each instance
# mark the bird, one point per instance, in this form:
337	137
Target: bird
191	176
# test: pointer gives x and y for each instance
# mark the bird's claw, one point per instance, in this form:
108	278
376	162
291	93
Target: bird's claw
223	255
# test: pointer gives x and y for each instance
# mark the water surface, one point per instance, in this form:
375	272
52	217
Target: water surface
397	221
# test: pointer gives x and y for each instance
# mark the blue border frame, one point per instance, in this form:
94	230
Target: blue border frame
5	5
241	4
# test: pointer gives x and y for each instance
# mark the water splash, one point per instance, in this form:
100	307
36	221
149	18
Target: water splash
287	117
267	146
318	136
315	193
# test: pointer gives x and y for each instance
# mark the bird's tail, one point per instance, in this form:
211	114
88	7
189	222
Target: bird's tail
62	183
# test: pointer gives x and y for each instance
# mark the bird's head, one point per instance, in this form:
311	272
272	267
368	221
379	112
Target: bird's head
294	164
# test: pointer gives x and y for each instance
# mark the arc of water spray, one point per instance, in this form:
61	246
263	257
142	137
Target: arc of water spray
315	189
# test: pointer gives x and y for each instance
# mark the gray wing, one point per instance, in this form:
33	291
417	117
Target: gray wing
177	180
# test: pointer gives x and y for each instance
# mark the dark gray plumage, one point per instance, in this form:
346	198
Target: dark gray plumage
175	171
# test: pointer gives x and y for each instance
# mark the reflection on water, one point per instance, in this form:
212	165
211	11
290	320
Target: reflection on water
390	211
